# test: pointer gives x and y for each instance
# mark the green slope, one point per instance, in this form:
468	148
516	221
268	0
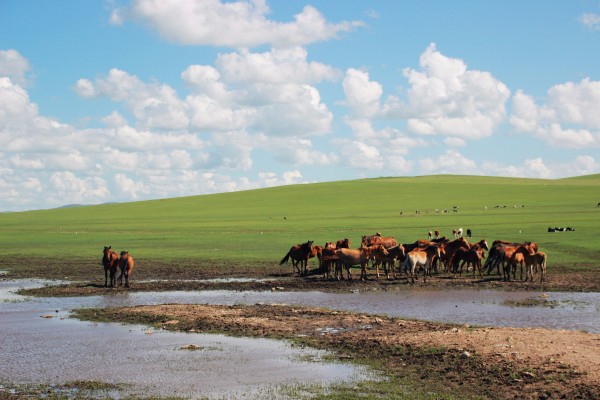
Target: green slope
262	224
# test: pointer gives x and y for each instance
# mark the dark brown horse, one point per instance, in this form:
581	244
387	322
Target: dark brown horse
471	257
110	261
126	265
299	254
342	244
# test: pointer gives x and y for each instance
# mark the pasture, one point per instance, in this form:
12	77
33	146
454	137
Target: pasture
179	242
259	226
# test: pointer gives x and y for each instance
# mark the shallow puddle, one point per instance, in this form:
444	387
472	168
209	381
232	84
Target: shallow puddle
40	344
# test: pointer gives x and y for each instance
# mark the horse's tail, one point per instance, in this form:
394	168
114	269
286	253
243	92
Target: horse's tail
285	259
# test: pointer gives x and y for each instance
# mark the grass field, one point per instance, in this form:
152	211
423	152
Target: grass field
261	225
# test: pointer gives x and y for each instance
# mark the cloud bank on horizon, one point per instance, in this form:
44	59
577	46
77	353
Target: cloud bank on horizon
261	108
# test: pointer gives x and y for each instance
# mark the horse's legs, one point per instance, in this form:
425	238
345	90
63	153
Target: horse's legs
105	277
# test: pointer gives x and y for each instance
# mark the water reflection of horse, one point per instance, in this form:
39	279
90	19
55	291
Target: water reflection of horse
110	261
126	265
299	254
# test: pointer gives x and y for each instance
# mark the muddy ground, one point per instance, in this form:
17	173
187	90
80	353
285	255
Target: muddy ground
151	275
487	362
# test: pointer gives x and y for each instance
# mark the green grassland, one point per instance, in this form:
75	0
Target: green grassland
261	225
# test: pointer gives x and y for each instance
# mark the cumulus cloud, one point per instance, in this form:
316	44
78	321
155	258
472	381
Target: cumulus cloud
446	98
538	168
154	105
14	66
450	162
234	24
270	93
568	118
362	95
299	152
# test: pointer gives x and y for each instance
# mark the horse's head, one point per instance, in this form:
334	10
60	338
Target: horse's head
124	254
483	244
526	248
106	254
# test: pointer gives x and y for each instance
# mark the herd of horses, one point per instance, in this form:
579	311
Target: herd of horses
111	261
434	255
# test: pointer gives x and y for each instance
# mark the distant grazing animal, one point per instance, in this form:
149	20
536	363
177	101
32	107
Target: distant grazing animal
299	254
110	261
126	265
436	233
469	233
429	235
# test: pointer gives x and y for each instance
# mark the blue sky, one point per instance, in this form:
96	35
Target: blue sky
112	101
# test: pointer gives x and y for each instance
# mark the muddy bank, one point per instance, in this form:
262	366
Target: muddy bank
572	282
194	274
489	362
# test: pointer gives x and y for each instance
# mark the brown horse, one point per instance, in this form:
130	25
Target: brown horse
126	265
449	248
317	251
471	257
110	261
342	244
497	253
328	259
349	257
299	254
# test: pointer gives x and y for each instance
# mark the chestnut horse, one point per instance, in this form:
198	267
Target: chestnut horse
361	256
299	254
126	265
110	261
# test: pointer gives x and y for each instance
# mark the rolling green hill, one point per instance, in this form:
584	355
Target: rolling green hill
261	225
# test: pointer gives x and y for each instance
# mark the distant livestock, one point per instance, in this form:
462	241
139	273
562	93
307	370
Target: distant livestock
567	229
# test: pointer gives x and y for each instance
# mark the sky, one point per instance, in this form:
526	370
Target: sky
118	101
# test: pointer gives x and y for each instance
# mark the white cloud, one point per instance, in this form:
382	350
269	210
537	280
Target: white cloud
299	152
278	66
454	142
270	179
357	154
79	190
538	168
235	24
451	162
14	66
447	98
362	95
590	21
569	118
154	105
114	120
